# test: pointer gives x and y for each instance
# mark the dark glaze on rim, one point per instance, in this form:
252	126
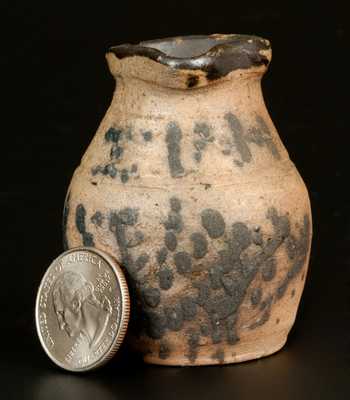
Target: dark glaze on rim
216	55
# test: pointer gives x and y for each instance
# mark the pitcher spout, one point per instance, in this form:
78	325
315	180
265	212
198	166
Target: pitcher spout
190	61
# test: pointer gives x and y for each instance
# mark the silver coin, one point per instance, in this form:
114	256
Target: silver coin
82	309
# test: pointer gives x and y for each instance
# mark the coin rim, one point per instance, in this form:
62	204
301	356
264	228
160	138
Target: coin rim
125	310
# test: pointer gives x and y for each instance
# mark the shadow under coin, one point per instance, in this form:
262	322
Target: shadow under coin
61	385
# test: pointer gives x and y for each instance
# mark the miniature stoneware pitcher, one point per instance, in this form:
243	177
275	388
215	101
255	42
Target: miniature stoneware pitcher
187	184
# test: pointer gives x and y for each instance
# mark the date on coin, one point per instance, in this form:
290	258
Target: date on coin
82	309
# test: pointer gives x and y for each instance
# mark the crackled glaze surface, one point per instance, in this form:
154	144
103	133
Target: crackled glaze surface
189	187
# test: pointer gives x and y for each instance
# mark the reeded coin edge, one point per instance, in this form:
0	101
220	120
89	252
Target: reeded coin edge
125	310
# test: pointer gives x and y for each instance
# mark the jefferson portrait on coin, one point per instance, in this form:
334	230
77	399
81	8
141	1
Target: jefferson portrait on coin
78	310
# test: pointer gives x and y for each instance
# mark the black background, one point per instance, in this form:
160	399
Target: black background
56	89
